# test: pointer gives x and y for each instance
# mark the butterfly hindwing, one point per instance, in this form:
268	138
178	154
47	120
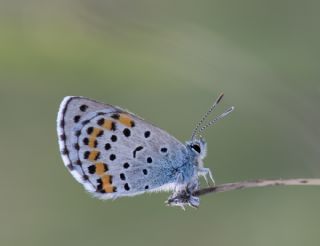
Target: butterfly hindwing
114	153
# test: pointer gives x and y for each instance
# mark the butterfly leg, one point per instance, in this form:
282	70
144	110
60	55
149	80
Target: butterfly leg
184	196
206	172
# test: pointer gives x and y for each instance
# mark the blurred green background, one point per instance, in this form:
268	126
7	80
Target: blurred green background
166	61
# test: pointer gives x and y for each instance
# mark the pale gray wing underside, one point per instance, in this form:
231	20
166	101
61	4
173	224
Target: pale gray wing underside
115	153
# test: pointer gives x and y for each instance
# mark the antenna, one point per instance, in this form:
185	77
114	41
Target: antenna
215	120
206	115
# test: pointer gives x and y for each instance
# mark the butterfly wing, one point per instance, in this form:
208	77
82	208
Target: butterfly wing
115	153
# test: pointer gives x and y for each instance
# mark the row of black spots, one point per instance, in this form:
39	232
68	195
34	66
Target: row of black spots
82	108
94	155
112	127
123	177
139	148
100	183
91	129
86	142
126	185
92	168
118	116
103	191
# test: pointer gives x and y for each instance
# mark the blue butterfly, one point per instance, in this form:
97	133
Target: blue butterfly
115	153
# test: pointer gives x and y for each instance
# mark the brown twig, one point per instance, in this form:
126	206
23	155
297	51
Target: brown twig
255	184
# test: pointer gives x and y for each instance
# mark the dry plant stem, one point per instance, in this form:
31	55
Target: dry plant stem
256	183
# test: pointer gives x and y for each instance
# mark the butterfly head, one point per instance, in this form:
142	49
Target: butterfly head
198	147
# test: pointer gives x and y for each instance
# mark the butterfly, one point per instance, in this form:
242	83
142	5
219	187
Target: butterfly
114	153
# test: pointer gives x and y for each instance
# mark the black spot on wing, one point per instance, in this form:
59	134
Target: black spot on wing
114	138
92	169
107	146
83	107
85	141
89	130
126	132
147	134
76	118
126	186
139	148
115	116
76	146
100	122
163	150
112	157
122	176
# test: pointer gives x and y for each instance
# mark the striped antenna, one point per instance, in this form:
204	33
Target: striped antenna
194	132
215	120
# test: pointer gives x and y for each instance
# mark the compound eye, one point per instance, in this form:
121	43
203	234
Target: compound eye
196	147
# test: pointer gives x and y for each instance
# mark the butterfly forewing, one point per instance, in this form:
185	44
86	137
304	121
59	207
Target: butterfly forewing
115	153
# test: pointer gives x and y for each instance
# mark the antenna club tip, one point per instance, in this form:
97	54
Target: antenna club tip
220	97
